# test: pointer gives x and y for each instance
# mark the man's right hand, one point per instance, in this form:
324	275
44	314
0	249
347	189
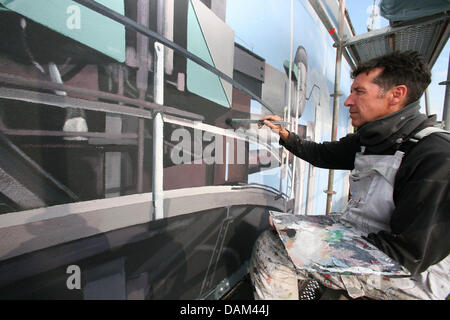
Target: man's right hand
284	134
271	223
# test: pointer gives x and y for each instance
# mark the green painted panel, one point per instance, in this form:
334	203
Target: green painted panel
294	70
199	80
77	22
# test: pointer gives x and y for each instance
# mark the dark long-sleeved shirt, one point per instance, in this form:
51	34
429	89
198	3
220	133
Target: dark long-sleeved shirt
420	222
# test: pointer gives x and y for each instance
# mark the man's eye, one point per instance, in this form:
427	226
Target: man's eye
357	91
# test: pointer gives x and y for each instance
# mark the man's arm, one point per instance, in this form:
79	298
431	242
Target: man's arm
331	155
420	223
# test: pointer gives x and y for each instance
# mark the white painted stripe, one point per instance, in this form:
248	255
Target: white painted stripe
31	230
226	160
250	137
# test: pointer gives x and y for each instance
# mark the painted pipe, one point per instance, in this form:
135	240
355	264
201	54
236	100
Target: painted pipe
142	41
158	134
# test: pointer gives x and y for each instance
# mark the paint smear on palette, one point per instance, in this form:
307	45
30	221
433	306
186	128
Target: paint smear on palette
324	244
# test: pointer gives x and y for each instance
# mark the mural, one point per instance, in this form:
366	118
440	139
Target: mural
119	154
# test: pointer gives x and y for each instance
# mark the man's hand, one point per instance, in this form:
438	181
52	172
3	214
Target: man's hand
271	223
284	134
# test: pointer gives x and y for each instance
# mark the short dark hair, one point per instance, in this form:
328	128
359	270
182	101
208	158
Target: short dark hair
399	68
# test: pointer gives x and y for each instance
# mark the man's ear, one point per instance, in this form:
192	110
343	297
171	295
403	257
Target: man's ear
399	95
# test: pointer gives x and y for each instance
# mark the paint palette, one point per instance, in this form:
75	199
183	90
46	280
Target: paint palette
326	245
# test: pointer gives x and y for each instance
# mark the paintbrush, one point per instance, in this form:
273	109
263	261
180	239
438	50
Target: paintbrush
229	121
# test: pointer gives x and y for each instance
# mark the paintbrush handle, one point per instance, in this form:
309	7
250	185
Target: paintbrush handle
282	123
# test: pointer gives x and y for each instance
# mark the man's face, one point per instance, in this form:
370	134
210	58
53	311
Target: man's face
367	101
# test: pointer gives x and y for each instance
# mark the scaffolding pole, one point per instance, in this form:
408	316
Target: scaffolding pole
446	111
336	95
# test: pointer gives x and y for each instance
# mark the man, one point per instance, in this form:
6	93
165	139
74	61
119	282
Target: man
399	186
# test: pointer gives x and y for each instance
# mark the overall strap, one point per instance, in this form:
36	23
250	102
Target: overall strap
425	132
411	142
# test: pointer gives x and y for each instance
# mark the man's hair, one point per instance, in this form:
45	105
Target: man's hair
399	68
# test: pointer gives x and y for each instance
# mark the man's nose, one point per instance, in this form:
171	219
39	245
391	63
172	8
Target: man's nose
349	101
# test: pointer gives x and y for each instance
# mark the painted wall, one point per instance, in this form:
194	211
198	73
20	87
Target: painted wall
247	41
77	138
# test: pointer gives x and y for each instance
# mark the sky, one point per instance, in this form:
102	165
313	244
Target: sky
359	12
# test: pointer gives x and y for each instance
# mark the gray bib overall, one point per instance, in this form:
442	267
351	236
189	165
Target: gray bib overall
371	207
